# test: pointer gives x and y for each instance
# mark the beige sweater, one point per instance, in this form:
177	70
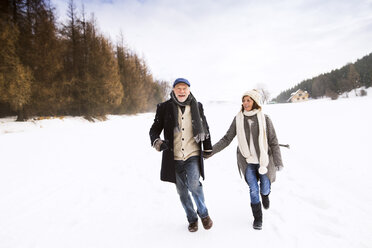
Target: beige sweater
184	143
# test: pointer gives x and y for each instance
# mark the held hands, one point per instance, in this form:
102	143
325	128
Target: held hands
160	145
207	154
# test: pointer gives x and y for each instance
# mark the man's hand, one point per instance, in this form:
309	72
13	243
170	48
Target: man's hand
160	145
279	168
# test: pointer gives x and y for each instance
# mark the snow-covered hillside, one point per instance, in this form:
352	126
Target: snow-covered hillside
72	183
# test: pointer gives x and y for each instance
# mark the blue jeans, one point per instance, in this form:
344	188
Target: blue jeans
251	177
187	179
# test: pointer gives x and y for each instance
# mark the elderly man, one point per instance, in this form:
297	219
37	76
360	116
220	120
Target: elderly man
186	138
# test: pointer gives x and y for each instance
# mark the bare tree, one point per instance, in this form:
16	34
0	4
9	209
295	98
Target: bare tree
262	88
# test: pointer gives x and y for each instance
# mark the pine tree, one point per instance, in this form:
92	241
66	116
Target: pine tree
15	79
353	77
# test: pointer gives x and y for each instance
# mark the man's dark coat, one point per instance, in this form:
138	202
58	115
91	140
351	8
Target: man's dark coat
164	120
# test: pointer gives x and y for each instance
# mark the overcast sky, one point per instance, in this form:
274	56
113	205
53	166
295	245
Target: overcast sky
225	47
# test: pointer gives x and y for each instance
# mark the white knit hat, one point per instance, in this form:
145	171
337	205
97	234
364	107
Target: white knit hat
255	95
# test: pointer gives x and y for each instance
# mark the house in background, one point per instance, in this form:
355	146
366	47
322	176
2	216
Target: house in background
299	96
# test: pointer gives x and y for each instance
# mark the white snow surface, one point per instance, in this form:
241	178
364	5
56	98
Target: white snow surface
73	183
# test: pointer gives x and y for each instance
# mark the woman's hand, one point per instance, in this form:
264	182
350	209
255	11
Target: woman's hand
207	154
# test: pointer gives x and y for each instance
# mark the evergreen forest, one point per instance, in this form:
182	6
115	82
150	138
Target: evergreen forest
336	82
55	69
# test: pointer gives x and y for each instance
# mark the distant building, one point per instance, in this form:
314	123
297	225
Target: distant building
299	96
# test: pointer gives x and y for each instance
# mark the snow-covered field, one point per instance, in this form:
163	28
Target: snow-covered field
72	183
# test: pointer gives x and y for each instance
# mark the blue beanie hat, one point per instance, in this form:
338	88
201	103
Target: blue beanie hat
181	80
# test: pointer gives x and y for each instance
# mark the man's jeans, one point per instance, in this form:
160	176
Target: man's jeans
187	179
251	177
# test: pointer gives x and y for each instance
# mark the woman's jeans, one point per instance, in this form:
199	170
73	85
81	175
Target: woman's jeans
251	177
187	179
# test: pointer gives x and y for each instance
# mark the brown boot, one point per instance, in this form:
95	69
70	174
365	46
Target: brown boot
193	227
207	223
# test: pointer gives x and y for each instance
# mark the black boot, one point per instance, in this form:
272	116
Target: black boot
265	201
257	213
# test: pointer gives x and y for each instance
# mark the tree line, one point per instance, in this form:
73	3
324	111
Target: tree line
336	82
49	68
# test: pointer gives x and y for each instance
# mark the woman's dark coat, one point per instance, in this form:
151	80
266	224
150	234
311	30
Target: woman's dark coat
164	121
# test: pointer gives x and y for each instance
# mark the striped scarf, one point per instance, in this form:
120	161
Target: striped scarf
199	126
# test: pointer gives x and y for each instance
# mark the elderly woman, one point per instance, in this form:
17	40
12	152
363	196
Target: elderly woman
258	152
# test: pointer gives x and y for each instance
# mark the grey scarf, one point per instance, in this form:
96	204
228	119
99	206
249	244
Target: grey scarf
199	126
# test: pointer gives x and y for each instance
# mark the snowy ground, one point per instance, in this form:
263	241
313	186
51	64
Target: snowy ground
72	183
